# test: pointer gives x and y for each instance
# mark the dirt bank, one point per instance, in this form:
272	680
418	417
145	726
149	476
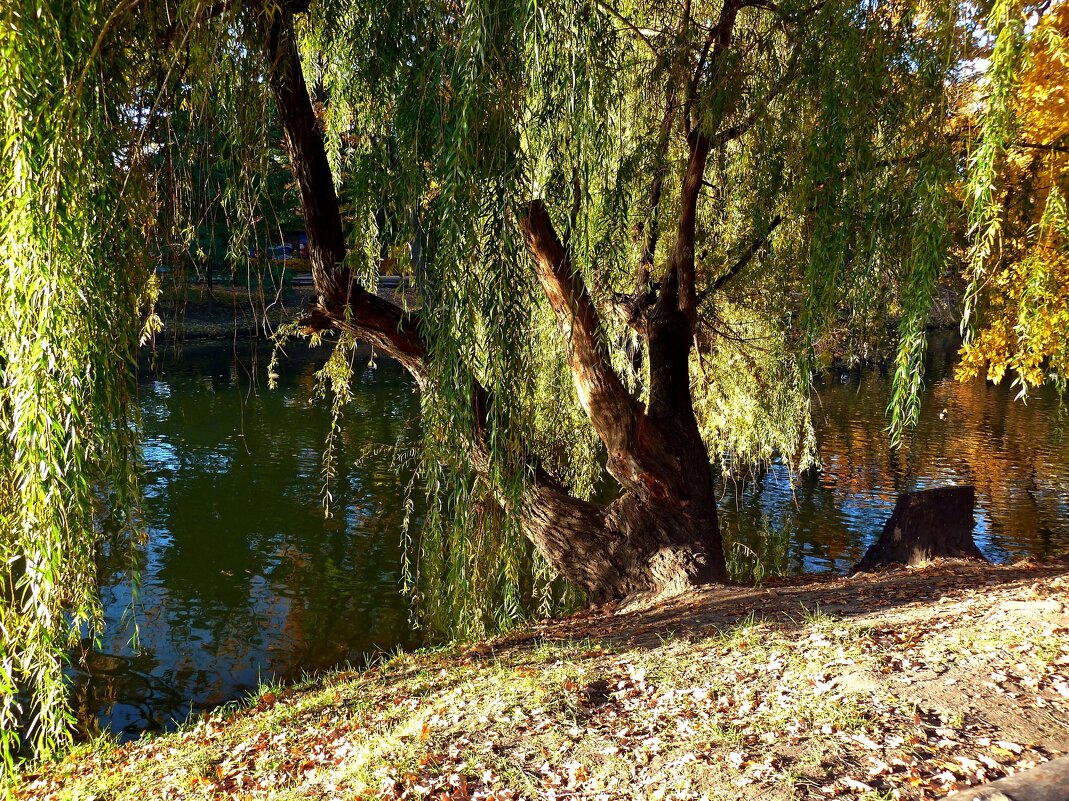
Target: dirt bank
907	684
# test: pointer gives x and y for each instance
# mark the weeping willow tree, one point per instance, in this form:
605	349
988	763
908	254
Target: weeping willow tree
633	229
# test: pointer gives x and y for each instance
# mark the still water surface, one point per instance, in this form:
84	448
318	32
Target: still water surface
243	580
1015	454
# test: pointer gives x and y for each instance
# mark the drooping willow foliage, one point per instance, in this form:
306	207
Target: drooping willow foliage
213	151
823	219
72	308
451	121
104	173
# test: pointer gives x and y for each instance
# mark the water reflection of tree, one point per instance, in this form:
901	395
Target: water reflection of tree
968	433
245	577
1010	451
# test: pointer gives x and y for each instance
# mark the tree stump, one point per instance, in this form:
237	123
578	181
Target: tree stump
926	525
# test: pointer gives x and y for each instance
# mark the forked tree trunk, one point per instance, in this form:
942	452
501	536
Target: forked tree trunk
662	534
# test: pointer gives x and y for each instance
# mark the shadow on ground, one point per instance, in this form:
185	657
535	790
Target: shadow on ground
887	596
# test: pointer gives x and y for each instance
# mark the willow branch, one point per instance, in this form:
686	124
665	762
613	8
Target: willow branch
1041	146
639	32
740	263
553	520
200	14
733	132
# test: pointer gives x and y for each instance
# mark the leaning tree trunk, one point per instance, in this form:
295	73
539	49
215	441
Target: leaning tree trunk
931	524
662	534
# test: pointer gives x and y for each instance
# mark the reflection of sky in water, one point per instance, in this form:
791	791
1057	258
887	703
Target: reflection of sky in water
159	454
243	580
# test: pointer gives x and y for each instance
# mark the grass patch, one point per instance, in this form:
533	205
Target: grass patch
809	706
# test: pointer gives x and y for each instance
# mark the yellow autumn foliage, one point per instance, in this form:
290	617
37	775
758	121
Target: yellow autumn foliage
1024	294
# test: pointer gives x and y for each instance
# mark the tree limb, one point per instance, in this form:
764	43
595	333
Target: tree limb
341	302
639	455
743	260
652	234
680	281
1040	146
681	261
611	408
639	32
716	42
732	132
664	136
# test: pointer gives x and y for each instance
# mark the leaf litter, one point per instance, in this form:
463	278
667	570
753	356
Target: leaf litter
907	685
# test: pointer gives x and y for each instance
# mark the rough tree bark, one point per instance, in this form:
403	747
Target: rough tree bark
663	529
662	534
926	525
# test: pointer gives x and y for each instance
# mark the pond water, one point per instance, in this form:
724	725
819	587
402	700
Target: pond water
975	433
243	580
